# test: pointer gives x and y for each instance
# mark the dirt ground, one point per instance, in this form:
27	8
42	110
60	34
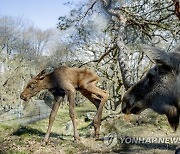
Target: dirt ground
143	134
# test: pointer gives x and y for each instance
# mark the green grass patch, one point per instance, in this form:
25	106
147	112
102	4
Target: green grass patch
28	138
4	127
16	152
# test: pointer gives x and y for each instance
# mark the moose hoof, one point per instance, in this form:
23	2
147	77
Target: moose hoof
96	136
44	142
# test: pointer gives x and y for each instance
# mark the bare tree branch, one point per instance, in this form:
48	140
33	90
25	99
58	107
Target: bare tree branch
106	53
101	57
90	8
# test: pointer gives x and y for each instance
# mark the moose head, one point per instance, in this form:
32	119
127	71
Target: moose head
34	86
159	89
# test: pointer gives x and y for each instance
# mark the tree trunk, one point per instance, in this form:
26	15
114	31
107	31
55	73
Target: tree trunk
123	51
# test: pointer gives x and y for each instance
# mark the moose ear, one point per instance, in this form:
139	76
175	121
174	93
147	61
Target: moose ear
156	55
41	75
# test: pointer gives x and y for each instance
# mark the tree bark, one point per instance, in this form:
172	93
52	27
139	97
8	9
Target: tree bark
123	52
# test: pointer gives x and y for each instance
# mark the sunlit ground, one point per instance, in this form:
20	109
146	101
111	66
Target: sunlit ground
146	133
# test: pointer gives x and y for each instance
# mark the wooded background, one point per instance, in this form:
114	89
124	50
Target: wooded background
103	35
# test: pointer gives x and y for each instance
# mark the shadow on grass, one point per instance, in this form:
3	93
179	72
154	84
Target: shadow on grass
31	131
25	130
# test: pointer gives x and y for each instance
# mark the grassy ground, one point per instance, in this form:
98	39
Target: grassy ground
133	136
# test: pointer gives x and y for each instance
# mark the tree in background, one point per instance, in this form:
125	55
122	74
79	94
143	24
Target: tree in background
100	34
110	31
23	47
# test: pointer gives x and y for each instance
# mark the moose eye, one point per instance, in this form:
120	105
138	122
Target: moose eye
155	69
152	73
32	86
150	78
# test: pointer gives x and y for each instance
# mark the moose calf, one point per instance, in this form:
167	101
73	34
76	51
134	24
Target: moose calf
65	81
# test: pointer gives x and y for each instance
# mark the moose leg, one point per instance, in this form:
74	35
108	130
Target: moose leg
97	119
97	93
71	98
52	116
88	95
96	102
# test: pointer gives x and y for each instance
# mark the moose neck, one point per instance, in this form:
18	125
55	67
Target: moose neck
47	83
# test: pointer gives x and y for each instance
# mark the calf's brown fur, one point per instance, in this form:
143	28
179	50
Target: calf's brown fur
65	81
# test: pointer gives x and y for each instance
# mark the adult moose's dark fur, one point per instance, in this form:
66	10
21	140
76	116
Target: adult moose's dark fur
159	89
65	81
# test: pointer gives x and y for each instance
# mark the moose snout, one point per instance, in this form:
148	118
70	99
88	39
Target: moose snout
124	108
23	97
127	103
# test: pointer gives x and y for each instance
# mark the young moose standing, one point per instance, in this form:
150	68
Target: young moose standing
65	81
